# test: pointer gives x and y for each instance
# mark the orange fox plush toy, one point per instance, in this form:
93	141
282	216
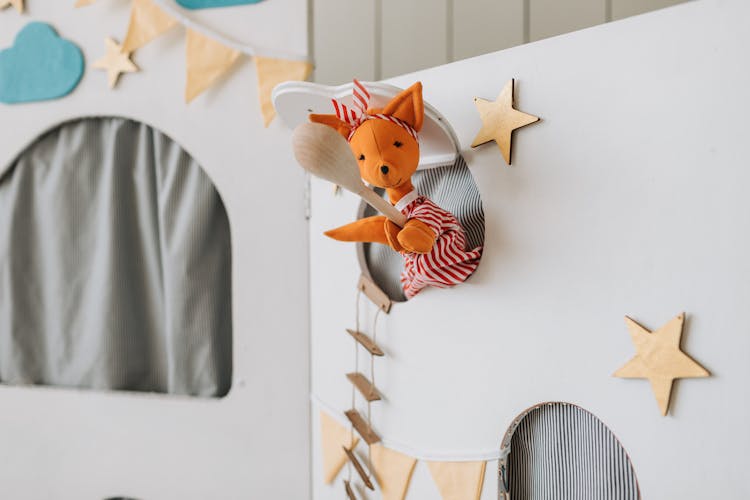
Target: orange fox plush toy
385	143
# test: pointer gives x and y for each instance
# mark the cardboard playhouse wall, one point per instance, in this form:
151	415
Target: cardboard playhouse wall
628	198
60	443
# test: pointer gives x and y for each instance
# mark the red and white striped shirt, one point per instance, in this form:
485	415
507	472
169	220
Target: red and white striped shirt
448	263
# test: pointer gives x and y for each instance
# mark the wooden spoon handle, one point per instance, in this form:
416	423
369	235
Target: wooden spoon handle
382	206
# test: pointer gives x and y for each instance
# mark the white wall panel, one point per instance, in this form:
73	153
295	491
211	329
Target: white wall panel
415	35
553	17
344	40
482	26
253	443
376	39
620	201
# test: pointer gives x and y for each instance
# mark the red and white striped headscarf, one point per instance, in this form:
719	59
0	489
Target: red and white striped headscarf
361	101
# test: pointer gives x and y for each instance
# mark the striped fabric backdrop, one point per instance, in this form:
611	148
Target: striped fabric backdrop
451	187
560	451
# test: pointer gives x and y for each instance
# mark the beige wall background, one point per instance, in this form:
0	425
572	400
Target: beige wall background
376	39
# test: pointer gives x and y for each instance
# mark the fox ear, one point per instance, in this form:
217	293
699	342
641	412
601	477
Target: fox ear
334	122
408	106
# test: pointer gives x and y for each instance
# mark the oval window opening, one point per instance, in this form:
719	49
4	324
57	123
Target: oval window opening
452	188
116	264
559	450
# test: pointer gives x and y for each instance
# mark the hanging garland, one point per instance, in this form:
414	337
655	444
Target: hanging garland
387	465
208	56
17	4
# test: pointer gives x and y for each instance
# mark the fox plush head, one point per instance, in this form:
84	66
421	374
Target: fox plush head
384	141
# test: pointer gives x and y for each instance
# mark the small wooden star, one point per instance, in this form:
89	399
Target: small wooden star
17	4
500	119
660	359
115	62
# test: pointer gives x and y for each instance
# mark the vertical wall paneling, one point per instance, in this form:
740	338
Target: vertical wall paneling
626	8
449	30
482	26
377	55
553	17
344	40
375	39
526	22
414	35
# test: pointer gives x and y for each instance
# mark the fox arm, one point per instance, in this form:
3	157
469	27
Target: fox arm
367	230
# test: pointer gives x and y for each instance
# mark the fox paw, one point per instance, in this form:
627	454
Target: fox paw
416	237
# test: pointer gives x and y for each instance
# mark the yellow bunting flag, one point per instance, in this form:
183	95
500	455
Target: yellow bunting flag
17	4
83	3
333	436
147	21
392	471
207	60
270	73
458	480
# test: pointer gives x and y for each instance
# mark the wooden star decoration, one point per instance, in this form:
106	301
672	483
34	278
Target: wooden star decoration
500	119
115	62
17	4
659	359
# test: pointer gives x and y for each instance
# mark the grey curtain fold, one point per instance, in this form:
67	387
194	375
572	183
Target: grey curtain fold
115	264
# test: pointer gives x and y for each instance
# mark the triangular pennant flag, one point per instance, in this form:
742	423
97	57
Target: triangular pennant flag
270	73
147	21
458	480
83	3
333	437
17	4
206	60
392	471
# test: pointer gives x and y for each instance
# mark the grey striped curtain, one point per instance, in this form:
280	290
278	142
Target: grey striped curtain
562	452
452	187
115	264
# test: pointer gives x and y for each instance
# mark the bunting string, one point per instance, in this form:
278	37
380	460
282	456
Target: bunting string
432	455
169	7
457	477
209	55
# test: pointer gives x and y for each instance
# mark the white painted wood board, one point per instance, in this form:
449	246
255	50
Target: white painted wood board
629	197
414	35
482	26
353	39
552	17
91	445
344	40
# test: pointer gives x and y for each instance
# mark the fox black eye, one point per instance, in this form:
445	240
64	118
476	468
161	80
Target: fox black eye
361	157
398	144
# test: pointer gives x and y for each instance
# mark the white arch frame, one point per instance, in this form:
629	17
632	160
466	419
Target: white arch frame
85	444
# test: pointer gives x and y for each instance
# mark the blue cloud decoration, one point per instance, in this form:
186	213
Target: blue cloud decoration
39	66
210	4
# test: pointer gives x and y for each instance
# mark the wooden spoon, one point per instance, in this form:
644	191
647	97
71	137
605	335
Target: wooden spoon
325	154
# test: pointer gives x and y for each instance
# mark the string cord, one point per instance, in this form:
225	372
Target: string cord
372	381
356	368
175	13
